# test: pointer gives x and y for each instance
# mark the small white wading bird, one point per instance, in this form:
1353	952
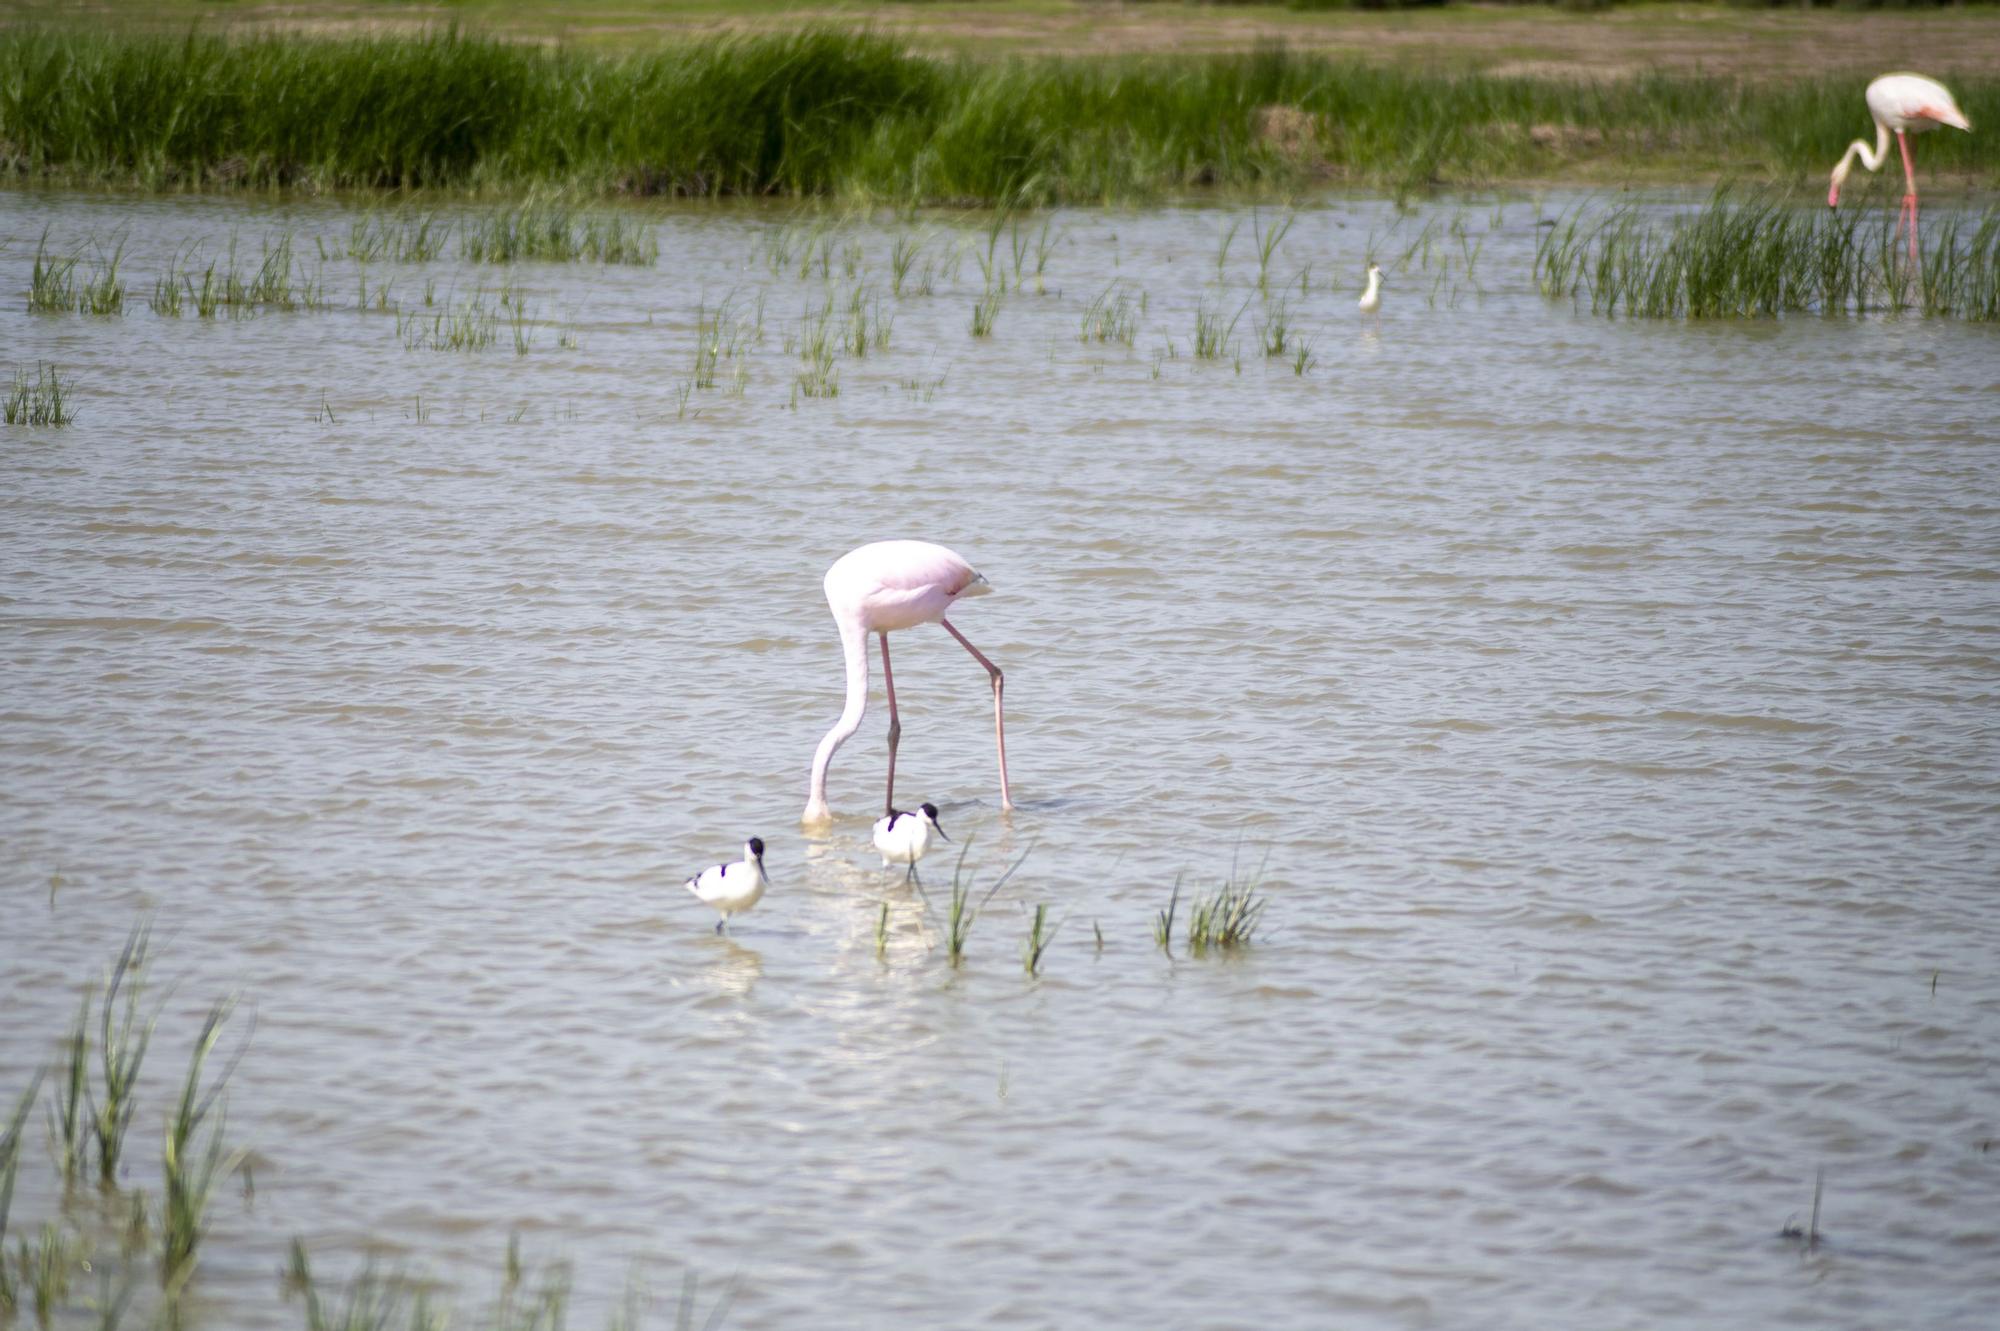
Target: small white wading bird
905	838
733	888
1371	299
1902	104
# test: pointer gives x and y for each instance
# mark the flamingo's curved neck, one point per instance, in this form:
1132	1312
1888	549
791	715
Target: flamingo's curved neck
1859	148
854	647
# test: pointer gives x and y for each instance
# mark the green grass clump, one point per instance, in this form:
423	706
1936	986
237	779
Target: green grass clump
52	281
468	326
1212	335
549	232
1112	316
1760	256
1226	920
399	237
986	309
54	288
823	112
817	342
43	400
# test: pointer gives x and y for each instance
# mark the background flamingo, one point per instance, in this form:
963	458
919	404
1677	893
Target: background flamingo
1907	104
878	589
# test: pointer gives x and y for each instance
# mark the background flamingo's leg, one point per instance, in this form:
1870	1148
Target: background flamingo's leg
895	728
999	722
1910	191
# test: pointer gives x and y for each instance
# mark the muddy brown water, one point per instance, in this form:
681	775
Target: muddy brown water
1609	707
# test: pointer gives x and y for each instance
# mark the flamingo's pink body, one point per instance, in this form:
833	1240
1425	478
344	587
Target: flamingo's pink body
878	589
1901	104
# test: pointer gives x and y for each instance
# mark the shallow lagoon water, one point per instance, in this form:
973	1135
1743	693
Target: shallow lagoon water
1608	706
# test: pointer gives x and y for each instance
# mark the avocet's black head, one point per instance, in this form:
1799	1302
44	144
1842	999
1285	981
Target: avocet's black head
757	847
930	812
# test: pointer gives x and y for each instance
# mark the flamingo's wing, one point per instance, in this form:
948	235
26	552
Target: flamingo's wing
1913	102
898	584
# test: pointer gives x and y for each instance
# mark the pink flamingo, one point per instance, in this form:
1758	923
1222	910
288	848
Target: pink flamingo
878	589
1907	104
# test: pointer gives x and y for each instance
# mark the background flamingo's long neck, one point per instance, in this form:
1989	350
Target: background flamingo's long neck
854	648
1872	160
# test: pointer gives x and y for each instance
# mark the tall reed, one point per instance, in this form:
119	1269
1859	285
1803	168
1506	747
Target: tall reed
66	1115
10	1159
121	1048
1038	940
191	1165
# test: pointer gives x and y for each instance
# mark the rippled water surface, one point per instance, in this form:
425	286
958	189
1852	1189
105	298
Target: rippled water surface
1609	705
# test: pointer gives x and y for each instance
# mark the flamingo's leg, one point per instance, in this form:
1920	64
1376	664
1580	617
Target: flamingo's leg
895	729
1910	191
999	722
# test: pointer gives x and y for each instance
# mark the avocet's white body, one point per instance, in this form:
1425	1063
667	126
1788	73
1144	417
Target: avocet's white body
735	887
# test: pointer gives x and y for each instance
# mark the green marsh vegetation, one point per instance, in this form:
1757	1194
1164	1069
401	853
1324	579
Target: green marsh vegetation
90	1261
41	400
551	231
1757	255
54	286
854	115
1225	920
963	912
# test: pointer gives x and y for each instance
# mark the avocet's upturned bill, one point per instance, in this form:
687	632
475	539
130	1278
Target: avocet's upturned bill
1902	104
905	838
733	888
878	589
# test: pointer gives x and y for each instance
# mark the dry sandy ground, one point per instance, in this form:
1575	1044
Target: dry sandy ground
1771	43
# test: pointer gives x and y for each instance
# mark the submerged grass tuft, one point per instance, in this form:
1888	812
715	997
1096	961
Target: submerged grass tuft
1163	921
1211	334
553	232
1112	316
55	288
396	237
1226	920
43	400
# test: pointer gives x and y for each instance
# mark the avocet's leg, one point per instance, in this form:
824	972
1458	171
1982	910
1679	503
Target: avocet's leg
999	722
1910	192
895	728
719	923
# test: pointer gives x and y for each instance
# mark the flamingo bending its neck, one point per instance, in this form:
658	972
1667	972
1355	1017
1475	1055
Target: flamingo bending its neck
878	589
1904	104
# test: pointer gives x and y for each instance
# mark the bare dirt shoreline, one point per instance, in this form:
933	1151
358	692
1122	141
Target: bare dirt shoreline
1754	43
